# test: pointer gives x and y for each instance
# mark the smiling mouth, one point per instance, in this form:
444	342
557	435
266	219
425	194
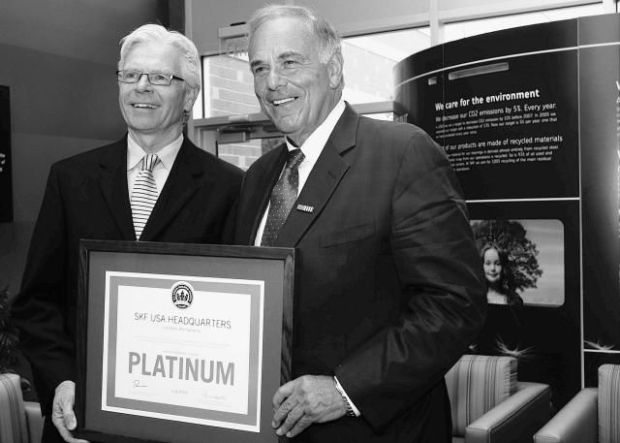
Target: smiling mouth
143	106
283	101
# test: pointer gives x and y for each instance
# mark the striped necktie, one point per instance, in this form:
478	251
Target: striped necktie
144	194
283	195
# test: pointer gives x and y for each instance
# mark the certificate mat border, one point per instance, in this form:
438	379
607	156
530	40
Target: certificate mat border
274	266
110	402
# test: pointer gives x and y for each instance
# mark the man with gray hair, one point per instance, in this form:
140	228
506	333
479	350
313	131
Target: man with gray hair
388	285
152	185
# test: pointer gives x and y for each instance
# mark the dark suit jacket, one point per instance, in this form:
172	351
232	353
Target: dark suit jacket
389	288
87	197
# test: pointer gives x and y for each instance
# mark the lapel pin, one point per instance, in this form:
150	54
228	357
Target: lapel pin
305	208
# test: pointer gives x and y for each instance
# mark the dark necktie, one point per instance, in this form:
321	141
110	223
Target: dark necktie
283	195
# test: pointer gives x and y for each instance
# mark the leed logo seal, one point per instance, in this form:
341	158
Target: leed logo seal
182	295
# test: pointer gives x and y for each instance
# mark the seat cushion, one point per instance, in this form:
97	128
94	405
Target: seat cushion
476	383
609	403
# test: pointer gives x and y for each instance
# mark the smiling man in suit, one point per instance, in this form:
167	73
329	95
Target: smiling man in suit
389	290
152	185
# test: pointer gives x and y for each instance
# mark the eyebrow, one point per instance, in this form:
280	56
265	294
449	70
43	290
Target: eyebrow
290	54
255	63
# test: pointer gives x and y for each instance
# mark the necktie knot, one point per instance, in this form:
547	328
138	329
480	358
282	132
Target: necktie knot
295	157
149	161
144	194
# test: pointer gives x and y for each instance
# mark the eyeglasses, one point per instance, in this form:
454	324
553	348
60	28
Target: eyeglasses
155	78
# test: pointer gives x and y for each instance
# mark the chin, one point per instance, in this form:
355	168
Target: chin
285	127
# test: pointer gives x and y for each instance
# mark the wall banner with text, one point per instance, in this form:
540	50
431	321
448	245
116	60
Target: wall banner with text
529	120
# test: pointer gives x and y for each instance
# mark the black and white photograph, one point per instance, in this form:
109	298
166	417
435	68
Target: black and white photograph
523	261
309	221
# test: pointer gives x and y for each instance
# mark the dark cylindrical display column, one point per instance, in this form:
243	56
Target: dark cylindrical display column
529	119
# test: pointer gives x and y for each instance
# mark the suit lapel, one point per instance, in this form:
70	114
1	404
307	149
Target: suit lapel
113	182
324	178
185	177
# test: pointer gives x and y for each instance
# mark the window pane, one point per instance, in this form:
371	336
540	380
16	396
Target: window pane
228	87
369	62
455	31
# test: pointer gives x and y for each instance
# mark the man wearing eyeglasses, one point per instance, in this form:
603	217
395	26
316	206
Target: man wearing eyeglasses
152	185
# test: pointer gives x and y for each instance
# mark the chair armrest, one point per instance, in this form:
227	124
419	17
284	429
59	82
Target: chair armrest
516	418
576	422
34	421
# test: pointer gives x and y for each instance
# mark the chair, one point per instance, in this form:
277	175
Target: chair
591	416
20	421
489	405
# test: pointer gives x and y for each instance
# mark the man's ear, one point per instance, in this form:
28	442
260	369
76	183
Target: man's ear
334	70
190	97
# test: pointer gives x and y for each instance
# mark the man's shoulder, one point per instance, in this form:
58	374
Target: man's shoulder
266	160
395	137
92	156
209	161
401	144
388	128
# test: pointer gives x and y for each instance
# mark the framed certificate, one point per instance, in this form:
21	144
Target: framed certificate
182	342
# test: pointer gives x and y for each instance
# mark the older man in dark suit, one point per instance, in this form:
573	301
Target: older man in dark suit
152	185
389	290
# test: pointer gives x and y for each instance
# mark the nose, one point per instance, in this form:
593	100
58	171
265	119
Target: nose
144	83
275	79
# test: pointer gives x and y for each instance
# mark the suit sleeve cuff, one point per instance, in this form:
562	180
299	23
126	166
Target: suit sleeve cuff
350	405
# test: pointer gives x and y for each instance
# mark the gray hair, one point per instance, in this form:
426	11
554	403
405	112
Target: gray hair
190	65
328	37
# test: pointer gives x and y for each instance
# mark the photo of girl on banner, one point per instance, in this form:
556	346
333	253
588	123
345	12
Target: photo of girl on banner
498	275
523	263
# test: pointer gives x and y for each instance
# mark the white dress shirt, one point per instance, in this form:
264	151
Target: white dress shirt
166	155
312	148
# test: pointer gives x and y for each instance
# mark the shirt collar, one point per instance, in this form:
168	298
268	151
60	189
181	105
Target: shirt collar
166	155
313	146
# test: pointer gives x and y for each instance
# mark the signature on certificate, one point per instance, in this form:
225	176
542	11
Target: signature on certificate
139	384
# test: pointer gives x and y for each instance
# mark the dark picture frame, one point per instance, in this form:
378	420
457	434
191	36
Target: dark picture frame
181	342
6	161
